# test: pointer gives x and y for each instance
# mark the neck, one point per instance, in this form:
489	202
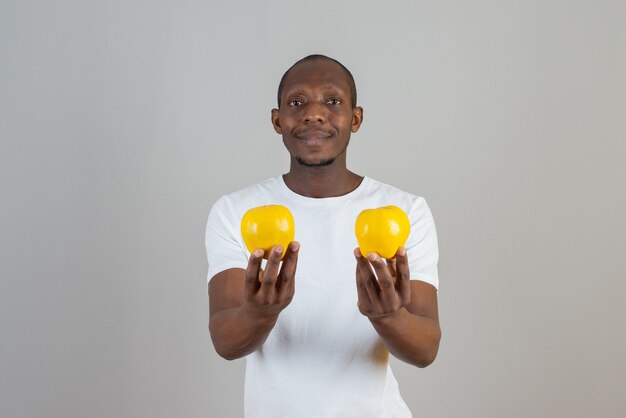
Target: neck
319	182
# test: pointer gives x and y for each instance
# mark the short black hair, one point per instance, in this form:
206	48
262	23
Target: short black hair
316	57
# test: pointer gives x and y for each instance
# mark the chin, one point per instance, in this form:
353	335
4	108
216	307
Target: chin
316	163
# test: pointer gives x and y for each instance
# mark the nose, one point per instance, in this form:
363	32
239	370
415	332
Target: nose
315	112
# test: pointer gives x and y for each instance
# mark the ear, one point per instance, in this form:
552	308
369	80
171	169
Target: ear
357	118
276	121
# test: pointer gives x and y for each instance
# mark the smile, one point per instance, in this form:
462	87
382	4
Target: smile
313	137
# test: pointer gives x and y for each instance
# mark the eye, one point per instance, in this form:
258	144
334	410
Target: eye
295	103
334	102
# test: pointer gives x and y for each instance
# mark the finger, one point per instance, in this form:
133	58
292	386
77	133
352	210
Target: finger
364	304
369	280
385	280
288	269
363	300
271	272
273	263
252	271
391	265
403	281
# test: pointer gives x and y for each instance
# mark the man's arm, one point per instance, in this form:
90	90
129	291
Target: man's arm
404	312
412	334
244	304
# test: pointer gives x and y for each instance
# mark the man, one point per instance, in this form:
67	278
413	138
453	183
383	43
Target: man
316	328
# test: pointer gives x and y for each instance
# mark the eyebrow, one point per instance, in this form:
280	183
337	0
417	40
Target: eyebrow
325	88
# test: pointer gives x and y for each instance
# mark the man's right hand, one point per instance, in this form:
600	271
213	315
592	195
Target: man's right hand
267	292
244	304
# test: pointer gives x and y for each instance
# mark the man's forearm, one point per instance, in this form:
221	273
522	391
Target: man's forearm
411	338
237	332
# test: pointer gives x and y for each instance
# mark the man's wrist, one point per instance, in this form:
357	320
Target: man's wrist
258	316
389	319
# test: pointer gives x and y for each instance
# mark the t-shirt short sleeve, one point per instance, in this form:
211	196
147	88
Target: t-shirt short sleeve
421	246
224	246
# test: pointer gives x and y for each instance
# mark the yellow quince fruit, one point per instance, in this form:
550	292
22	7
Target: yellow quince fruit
267	226
382	230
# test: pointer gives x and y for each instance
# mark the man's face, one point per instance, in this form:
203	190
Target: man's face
316	116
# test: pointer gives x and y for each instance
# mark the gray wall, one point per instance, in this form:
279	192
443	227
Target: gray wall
122	122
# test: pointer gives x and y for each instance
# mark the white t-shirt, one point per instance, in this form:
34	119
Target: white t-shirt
323	358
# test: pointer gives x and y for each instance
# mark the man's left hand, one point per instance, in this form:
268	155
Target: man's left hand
389	293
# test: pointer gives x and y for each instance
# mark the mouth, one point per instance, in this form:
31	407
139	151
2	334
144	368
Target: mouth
313	137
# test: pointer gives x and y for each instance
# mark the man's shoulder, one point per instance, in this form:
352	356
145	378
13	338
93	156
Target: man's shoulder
269	185
382	187
387	194
249	195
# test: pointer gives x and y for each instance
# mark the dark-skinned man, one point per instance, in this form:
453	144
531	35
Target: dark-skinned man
316	328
